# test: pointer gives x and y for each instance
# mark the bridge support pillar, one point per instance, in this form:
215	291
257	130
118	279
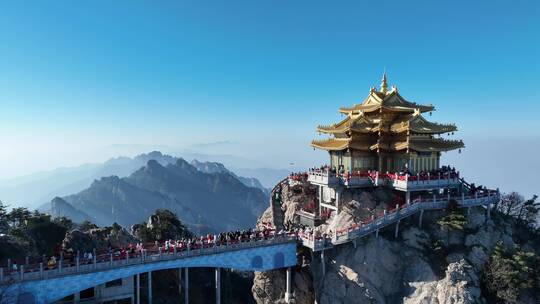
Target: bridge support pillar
218	285
407	197
323	263
138	288
186	285
288	291
149	287
179	283
397	229
420	219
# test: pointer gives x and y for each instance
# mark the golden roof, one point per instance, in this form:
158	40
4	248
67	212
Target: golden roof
390	101
435	144
381	113
421	145
409	122
418	124
358	123
337	144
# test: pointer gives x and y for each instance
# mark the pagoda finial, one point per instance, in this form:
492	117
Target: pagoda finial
384	85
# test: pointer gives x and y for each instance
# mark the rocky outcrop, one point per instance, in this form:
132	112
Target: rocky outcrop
60	208
114	236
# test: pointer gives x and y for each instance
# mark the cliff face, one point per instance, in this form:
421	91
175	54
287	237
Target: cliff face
427	265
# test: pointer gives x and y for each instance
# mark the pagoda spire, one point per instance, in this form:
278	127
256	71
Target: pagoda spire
384	85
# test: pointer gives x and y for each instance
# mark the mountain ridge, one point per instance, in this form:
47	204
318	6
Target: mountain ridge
35	189
205	201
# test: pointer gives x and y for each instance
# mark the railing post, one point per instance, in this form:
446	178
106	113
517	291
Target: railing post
288	291
77	263
26	261
462	198
60	266
110	259
95	258
9	268
22	272
1	275
160	254
127	257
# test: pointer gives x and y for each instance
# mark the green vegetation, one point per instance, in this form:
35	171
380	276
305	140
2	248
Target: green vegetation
455	221
27	233
511	275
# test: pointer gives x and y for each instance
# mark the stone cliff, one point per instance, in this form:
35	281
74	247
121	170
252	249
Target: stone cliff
422	265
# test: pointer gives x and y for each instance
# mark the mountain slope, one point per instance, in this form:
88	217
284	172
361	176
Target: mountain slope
204	201
214	167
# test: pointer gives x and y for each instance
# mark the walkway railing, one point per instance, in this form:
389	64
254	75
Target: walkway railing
41	272
365	228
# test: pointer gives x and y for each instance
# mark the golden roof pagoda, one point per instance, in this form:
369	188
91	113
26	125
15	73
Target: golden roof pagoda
386	132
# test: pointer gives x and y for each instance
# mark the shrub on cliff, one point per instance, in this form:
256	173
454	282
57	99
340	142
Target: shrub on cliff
512	275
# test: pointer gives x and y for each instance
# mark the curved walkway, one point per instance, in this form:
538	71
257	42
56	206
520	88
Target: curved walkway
46	286
350	234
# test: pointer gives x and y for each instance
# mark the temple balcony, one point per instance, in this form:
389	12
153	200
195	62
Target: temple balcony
323	178
401	182
332	179
419	182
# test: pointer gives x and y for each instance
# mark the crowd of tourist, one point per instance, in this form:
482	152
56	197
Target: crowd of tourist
298	176
444	172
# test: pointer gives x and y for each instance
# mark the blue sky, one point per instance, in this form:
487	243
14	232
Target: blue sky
79	77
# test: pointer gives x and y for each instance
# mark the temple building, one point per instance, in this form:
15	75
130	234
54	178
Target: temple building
386	133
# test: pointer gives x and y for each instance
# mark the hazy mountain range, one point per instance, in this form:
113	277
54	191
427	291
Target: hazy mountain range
36	189
207	199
